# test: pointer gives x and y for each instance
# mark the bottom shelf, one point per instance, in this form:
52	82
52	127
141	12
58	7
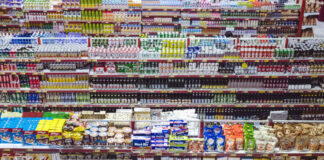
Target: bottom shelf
14	148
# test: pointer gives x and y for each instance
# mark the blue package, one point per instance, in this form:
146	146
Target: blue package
17	136
142	133
208	129
220	143
141	142
175	149
209	143
29	138
5	135
217	129
160	147
177	123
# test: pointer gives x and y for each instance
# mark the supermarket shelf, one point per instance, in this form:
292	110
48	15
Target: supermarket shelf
217	10
82	21
137	90
207	60
279	19
41	11
305	27
311	14
162	16
45	72
11	25
47	21
239	18
118	105
10	8
212	19
86	59
28	90
161	24
83	59
101	9
81	9
261	27
111	35
207	76
277	27
161	9
22	148
10	16
197	27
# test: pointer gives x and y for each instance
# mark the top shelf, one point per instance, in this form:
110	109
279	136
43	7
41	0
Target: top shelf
165	9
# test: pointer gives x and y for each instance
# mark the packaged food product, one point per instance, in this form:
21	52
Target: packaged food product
249	144
321	144
196	145
220	143
239	141
210	142
217	129
313	144
260	145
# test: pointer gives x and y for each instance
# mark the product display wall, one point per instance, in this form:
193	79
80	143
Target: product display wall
158	79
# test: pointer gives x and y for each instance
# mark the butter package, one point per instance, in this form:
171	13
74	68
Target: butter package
178	149
178	123
179	131
165	140
179	141
159	148
141	142
160	131
142	133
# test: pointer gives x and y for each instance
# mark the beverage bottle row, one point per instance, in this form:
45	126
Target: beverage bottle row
168	98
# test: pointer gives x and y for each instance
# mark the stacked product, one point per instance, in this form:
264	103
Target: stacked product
178	136
214	138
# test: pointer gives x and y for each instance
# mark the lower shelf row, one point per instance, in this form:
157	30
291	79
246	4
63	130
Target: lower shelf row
156	156
145	130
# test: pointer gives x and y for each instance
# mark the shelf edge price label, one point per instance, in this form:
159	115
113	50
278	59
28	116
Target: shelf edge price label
29	150
176	154
309	155
159	154
6	150
212	155
111	150
97	150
